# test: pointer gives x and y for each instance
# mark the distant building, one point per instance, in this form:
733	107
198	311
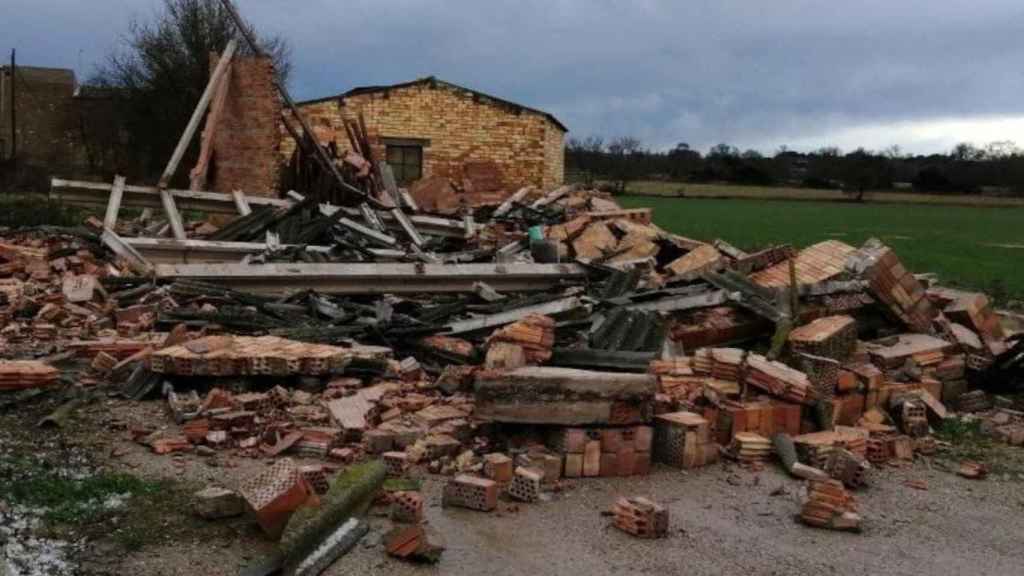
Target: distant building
431	128
61	128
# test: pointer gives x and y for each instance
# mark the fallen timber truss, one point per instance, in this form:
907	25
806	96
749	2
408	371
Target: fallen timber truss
382	278
97	195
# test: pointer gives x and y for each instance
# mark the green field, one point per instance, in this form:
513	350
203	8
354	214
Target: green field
981	248
691	190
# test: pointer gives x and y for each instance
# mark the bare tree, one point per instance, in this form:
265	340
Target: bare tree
162	68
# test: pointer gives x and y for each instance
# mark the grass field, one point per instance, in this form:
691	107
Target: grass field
980	247
656	188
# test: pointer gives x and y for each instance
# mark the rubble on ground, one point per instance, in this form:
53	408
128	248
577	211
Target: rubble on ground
655	349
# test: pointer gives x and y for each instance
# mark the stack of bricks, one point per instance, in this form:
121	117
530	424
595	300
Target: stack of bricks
765	417
829	506
974	311
683	440
246	142
815	448
535	335
604	451
24	374
749	448
727	363
778	380
640	517
465	491
832	337
894	286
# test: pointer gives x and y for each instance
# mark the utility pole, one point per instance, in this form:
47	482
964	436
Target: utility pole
14	109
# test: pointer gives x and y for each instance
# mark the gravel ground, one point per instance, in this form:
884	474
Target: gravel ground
723	520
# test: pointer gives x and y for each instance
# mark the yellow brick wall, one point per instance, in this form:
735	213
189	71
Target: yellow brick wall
461	127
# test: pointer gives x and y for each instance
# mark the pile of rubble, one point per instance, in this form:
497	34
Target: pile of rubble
554	336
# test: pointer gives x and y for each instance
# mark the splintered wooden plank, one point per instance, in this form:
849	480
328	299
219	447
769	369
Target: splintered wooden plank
197	177
817	263
173	216
114	204
241	202
197	117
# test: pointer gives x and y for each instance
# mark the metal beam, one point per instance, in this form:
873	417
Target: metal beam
384	278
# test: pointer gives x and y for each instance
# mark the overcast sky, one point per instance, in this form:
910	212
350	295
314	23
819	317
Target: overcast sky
923	74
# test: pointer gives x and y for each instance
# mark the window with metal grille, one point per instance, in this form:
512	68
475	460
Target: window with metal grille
406	162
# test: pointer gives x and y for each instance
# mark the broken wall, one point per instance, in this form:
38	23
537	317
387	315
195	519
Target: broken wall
245	146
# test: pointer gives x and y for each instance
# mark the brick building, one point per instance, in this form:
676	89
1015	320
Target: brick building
62	129
431	128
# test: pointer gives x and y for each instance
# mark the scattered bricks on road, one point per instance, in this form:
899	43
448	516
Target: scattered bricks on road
498	467
640	517
973	470
396	463
411	543
215	503
276	494
525	485
169	445
407	507
471	492
829	506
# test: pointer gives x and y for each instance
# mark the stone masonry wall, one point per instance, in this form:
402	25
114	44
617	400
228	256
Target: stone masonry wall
246	152
460	126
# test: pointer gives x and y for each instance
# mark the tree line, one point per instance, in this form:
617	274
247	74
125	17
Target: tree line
966	169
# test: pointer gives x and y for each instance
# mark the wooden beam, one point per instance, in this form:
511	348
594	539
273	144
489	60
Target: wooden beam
319	153
241	202
114	203
173	216
97	194
125	251
380	278
197	177
511	201
197	116
169	251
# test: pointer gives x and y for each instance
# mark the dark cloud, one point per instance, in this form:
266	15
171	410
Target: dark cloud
749	73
